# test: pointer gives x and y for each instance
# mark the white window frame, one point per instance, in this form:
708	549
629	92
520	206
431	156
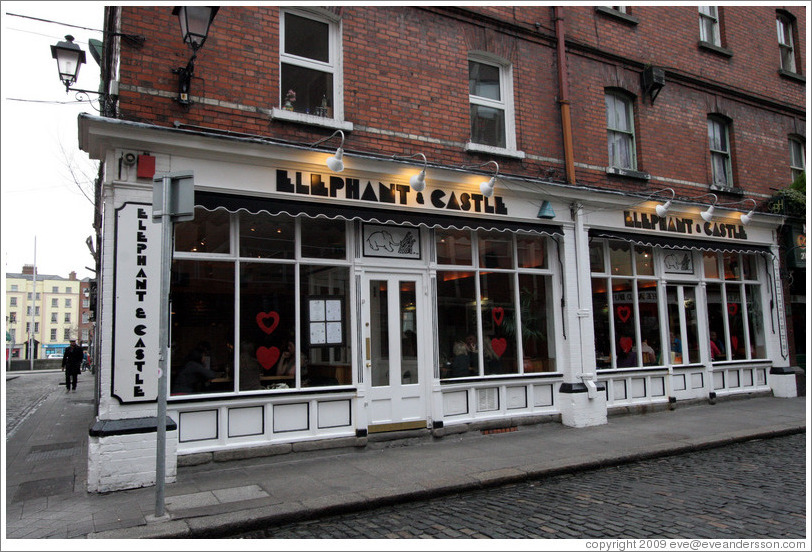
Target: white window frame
505	104
796	149
784	27
618	96
333	66
709	15
726	154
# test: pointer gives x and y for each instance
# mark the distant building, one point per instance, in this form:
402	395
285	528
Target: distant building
45	313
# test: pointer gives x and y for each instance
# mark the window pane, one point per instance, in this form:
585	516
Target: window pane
735	320
207	233
711	263
265	237
498	323
716	321
758	347
731	266
651	347
326	365
307	38
596	263
644	260
456	322
483	80
620	258
202	336
267	303
749	266
719	167
536	310
488	126
495	249
624	321
324	239
409	373
620	150
453	247
306	90
531	251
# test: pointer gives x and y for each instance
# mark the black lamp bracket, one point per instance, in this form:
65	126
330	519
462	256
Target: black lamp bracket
185	81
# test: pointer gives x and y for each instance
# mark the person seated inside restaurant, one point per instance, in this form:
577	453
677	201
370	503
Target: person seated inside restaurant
194	376
249	367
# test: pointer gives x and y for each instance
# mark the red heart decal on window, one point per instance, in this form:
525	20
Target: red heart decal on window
624	313
499	345
498	314
626	344
732	308
267	357
734	341
264	324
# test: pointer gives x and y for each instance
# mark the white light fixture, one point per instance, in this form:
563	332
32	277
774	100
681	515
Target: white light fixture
662	209
418	181
749	216
707	215
69	59
487	186
336	162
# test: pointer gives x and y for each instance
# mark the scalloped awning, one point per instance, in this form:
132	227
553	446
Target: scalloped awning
681	243
234	203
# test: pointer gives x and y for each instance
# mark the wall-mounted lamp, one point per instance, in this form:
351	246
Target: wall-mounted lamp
194	26
662	209
707	214
745	218
418	181
486	187
336	162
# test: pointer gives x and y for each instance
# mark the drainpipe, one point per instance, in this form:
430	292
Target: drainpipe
564	94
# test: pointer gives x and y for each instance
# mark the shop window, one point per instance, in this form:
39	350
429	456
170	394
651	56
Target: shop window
483	327
263	236
626	313
755	329
732	266
324	239
309	61
207	233
710	262
797	157
683	337
785	24
709	25
453	247
620	131
735	314
720	153
202	327
490	95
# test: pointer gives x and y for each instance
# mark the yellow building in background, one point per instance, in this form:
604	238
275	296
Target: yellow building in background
43	312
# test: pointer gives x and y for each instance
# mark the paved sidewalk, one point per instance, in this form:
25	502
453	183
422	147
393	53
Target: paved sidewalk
46	469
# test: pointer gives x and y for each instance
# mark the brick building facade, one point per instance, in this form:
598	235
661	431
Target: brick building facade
584	281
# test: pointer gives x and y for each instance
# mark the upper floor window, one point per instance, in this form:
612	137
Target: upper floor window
67	318
620	131
53	334
709	25
55	289
67	303
12	317
797	157
12	301
54	302
66	334
720	153
68	289
786	46
14	287
53	318
490	93
309	59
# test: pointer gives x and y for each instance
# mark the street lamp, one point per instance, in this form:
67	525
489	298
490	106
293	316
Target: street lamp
69	59
194	26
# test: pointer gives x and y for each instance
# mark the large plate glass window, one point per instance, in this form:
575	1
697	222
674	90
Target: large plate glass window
309	64
495	304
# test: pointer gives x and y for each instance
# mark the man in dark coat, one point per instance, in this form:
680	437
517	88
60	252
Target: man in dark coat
72	364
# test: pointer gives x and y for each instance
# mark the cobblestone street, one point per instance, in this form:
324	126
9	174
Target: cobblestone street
749	490
26	391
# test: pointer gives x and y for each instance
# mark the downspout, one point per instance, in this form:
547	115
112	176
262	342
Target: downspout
564	94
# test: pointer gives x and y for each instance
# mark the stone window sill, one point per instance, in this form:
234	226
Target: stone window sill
307	119
714	49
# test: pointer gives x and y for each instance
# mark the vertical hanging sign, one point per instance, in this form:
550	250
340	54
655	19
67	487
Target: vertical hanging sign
137	304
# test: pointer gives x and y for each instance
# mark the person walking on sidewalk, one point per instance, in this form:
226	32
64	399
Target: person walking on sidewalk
72	364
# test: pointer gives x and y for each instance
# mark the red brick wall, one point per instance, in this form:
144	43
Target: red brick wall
405	70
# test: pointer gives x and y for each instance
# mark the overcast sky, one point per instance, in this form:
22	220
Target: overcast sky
40	198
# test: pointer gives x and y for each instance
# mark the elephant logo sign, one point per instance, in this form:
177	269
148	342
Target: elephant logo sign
391	242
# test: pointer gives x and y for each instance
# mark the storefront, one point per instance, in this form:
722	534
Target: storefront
308	305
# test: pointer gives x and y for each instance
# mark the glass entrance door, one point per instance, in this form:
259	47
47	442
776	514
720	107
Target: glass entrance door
393	325
683	336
